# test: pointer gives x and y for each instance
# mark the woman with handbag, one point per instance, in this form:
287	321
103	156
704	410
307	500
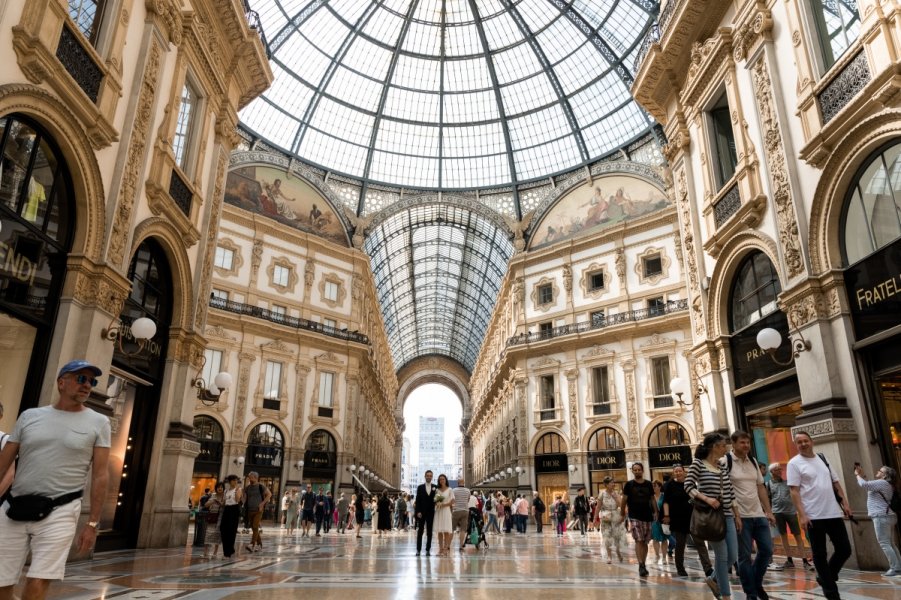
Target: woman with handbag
677	514
213	515
715	518
613	532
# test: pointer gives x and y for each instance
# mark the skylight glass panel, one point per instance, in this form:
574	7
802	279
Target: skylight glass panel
271	122
560	40
527	95
472	107
518	62
487	8
416	140
348	158
354	89
466	75
272	16
593	11
474	140
330	31
602	97
349	10
554	156
614	130
367	58
417	73
287	92
343	122
304	59
423	38
416	106
404	169
385	27
462	40
501	31
580	68
537	15
539	127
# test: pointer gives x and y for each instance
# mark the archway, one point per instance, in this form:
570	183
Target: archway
432	436
265	454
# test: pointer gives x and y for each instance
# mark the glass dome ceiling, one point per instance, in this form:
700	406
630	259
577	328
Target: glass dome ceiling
451	94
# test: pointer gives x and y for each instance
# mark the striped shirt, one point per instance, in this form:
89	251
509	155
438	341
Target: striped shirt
710	481
879	493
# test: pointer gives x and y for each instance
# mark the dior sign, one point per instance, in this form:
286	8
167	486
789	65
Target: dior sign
606	461
551	463
666	457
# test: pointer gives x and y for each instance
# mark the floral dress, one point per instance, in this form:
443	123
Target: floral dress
612	523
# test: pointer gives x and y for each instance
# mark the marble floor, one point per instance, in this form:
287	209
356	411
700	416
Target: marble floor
371	568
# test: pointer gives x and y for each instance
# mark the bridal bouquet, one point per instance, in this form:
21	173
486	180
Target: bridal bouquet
439	498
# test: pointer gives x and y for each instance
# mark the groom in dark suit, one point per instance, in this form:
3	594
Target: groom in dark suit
425	513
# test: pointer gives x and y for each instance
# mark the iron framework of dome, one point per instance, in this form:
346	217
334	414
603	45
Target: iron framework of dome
451	94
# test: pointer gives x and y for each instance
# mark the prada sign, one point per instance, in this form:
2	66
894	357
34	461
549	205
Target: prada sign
874	291
607	461
749	362
665	458
551	463
319	461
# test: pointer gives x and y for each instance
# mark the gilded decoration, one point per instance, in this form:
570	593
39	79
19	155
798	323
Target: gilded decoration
650	253
167	13
776	163
572	376
285	263
134	158
585	282
99	290
246	359
628	366
237	258
218	331
536	296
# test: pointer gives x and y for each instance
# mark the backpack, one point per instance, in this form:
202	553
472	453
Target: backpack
894	504
488	503
753	460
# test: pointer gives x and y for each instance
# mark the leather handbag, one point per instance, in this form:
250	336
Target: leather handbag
708	523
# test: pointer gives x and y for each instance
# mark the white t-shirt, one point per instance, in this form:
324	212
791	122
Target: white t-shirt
745	478
815	482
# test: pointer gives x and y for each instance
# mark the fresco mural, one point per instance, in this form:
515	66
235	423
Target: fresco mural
610	199
289	200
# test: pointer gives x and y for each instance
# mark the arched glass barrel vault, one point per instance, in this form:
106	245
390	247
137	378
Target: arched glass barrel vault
438	272
451	94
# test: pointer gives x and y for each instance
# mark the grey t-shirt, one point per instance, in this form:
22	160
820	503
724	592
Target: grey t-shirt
56	448
780	497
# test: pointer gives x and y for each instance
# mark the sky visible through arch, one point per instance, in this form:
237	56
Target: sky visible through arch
433	400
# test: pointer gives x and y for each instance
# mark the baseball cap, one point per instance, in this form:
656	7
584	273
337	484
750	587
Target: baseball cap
77	365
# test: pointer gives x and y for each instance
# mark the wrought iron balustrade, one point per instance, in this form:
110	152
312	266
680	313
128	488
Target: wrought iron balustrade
282	319
656	31
844	87
78	63
726	206
670	307
255	24
181	193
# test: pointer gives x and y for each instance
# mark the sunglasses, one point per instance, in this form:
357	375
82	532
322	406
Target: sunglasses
83	379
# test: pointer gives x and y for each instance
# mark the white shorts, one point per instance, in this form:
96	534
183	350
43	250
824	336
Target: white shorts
49	541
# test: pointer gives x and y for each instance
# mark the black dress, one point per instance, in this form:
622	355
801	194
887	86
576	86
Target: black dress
679	507
384	522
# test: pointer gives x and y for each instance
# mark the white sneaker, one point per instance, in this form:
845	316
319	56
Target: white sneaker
774	567
891	573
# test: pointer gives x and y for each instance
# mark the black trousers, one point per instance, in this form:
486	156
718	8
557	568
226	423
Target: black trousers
228	527
425	523
539	517
701	547
829	567
583	523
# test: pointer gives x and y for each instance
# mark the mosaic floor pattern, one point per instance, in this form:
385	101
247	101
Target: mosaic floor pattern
517	567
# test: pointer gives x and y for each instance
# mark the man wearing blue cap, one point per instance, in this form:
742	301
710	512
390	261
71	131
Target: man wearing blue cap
56	446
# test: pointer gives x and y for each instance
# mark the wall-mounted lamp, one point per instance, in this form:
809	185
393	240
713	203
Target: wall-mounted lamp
352	468
509	471
769	340
519	470
678	387
573	468
141	330
239	461
210	395
298	465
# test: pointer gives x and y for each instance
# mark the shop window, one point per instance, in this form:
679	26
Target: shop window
184	126
872	215
550	443
225	258
660	378
547	398
600	391
210	436
837	26
88	17
605	438
722	144
272	385
754	291
264	447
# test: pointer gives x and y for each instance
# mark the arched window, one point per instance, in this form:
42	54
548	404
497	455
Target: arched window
668	433
321	441
605	438
265	446
550	443
210	436
872	212
754	291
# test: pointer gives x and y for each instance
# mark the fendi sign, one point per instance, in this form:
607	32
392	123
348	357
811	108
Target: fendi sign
607	461
665	458
551	463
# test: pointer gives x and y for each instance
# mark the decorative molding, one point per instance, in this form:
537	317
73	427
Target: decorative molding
237	258
628	366
776	163
657	342
690	253
648	253
828	427
277	346
284	262
574	438
212	233
597	352
585	281
342	290
555	292
220	332
128	190
545	362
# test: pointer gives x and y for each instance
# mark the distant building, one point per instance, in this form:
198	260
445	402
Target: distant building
431	444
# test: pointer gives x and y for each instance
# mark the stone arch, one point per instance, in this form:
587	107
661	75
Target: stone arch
87	181
459	201
324	427
837	174
726	265
597	427
171	241
282	428
215	416
434	369
692	437
533	443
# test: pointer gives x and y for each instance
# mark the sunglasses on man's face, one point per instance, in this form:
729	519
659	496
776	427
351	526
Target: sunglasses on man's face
83	379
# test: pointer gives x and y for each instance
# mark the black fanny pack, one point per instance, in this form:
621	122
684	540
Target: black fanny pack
34	507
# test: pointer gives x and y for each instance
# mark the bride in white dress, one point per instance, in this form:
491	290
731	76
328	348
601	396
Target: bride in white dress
443	524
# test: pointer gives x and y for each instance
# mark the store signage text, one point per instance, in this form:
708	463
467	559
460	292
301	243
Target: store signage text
150	347
604	461
874	290
551	463
17	265
867	297
665	458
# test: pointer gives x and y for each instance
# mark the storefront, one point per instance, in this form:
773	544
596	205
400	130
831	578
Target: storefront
37	226
871	252
767	395
208	464
668	446
320	459
265	454
551	469
606	458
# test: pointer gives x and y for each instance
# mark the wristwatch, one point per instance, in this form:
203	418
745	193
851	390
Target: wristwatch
93	524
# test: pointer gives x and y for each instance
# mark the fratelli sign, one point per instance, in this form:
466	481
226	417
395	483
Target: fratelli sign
874	291
551	463
607	461
666	457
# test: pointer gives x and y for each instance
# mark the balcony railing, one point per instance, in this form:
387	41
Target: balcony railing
295	322
726	206
656	31
255	24
670	307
